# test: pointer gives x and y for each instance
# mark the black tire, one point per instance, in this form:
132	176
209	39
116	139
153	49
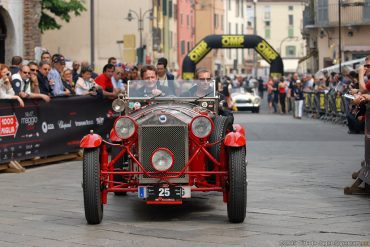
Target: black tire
119	164
92	186
257	110
222	125
237	203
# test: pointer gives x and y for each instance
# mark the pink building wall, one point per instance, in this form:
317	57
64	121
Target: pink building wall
185	30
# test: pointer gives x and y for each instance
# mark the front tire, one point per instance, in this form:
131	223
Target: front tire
92	186
237	196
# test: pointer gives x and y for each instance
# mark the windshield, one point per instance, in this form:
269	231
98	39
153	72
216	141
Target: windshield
171	89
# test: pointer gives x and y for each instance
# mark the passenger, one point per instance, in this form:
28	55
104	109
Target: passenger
165	78
151	88
203	87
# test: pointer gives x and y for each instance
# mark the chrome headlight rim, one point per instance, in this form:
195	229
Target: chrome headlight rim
194	121
117	132
167	151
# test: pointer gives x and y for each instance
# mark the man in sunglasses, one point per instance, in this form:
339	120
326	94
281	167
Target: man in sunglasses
204	84
364	76
22	85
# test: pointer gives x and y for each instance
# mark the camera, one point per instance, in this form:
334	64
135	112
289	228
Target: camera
92	89
8	74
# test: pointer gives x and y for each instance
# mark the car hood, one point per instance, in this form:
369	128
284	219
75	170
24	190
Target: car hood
168	114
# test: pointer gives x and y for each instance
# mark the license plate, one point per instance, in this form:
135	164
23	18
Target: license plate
172	192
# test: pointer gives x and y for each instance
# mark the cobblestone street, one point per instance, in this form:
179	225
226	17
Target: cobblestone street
297	170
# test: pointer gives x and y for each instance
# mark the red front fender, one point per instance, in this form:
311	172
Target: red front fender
91	141
236	138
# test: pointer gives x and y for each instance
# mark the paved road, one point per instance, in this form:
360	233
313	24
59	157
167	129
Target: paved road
297	170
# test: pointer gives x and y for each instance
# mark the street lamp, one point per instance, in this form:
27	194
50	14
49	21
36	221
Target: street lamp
140	17
255	33
340	34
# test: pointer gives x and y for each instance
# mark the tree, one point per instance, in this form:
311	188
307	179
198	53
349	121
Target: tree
58	8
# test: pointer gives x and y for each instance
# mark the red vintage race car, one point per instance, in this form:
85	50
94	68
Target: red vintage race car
164	148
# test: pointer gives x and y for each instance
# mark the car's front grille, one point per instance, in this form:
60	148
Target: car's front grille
174	138
243	101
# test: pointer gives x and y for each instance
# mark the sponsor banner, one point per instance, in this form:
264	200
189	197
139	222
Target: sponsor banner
45	129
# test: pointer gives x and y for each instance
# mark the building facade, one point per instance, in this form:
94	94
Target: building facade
19	33
209	16
185	29
236	22
165	32
279	22
111	23
332	35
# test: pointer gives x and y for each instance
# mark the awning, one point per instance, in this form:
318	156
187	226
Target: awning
357	48
290	65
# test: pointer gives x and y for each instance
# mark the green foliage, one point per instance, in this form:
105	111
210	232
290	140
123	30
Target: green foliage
58	8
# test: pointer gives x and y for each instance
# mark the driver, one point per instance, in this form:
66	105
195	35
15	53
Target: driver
151	87
203	86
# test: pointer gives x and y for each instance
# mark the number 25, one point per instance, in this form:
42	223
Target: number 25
164	191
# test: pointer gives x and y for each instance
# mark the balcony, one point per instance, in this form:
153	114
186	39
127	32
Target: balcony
353	12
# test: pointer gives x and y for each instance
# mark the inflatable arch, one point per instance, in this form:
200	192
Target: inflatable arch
202	48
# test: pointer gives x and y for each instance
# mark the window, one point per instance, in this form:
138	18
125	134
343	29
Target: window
366	11
267	23
290	51
171	39
236	28
188	46
181	19
242	29
229	4
229	31
175	11
215	21
290	8
242	8
237	7
222	22
182	47
267	33
267	12
290	31
322	11
170	8
187	20
291	22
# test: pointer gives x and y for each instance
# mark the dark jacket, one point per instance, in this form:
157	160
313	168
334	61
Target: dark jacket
44	84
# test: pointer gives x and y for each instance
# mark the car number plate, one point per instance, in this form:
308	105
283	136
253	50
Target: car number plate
172	192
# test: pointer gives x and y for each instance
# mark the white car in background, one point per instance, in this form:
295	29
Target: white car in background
246	99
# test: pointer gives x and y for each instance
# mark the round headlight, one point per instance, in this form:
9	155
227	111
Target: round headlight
162	159
257	100
201	126
124	127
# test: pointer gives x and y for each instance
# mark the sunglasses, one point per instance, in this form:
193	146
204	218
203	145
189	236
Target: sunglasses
34	70
26	72
367	65
205	79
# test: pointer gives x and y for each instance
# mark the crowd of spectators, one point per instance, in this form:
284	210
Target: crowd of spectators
49	77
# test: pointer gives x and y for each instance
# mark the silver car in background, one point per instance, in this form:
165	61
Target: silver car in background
246	99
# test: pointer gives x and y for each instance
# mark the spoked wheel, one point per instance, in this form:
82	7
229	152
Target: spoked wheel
92	186
223	124
237	196
119	165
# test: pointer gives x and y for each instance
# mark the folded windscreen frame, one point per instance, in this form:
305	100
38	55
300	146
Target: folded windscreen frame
202	48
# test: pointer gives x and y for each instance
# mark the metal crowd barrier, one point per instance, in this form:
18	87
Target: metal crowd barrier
328	106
